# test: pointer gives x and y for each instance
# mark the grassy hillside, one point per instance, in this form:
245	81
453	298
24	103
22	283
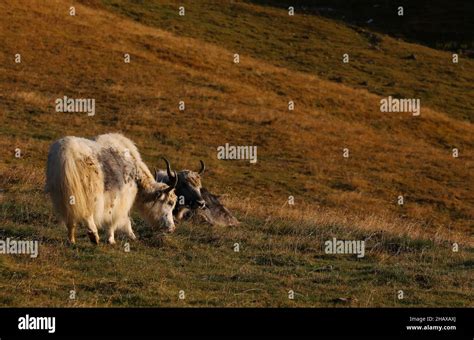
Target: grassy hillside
299	154
315	45
277	254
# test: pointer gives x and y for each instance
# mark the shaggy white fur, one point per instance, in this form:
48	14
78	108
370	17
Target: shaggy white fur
97	181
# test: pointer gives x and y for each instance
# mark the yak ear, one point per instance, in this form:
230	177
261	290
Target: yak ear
156	174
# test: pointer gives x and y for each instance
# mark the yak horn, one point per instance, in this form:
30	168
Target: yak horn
203	168
168	168
173	185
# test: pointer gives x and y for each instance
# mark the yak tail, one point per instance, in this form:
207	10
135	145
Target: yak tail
71	179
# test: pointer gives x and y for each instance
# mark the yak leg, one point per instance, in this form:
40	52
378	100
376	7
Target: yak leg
92	230
129	230
111	234
71	232
126	224
127	227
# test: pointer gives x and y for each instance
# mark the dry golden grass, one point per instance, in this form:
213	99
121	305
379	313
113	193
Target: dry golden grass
391	225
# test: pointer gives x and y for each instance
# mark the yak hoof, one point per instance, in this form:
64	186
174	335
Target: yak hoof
93	237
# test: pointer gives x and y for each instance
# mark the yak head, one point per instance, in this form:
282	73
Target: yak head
157	202
188	188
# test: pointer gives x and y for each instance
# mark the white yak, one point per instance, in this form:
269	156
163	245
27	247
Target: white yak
97	181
